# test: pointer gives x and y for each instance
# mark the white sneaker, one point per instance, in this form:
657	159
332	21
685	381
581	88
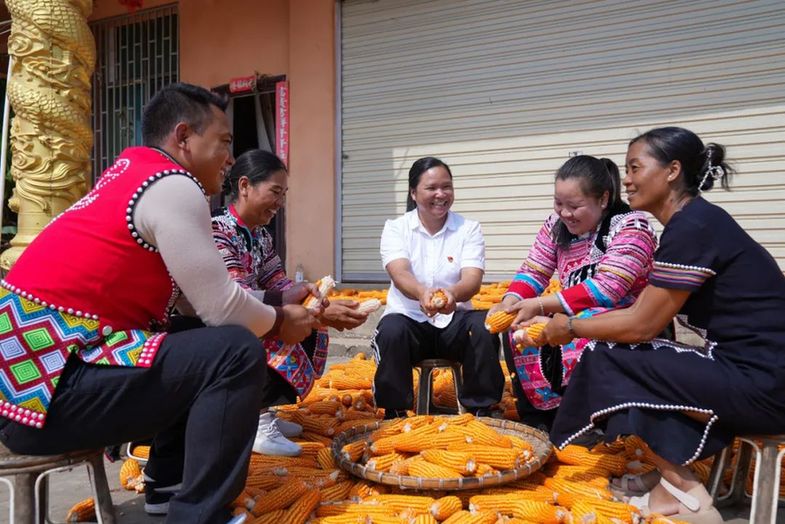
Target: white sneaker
270	441
288	429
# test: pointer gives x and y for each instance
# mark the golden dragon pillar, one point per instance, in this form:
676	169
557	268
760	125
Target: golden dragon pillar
53	55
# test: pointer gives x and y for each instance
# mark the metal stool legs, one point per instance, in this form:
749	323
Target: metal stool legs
424	391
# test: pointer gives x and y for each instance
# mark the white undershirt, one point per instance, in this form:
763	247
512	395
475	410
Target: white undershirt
173	215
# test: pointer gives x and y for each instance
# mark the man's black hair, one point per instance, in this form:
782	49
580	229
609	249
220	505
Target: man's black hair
176	103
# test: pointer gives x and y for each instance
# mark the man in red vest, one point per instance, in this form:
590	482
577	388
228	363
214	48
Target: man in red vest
86	359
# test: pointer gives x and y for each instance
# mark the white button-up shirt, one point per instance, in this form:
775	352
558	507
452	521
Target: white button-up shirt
436	260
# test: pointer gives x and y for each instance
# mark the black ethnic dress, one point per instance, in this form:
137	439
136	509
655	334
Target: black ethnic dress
737	379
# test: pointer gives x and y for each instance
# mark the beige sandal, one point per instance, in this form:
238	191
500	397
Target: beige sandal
695	514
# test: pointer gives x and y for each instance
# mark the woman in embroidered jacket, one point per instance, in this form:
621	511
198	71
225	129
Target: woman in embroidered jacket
256	188
602	252
685	402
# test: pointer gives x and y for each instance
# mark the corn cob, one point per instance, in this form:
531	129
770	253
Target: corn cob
331	508
402	466
423	468
263	481
499	321
259	461
424	518
372	510
131	477
369	306
618	511
499	458
324	407
418	503
577	488
349	424
579	456
521	444
384	462
337	492
438	299
389	519
540	512
299	512
445	506
281	497
82	511
142	452
466	517
344	381
534	332
273	517
344	518
479	433
325	285
353	451
461	461
412	441
363	489
355	414
324	457
310	436
484	469
322	424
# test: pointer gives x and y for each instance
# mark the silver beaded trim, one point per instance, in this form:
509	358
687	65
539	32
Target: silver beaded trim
53	307
22	415
699	269
129	211
149	349
645	405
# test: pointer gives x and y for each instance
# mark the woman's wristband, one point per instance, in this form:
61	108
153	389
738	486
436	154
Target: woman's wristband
542	308
570	328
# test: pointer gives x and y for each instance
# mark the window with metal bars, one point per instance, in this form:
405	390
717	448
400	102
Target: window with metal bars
137	54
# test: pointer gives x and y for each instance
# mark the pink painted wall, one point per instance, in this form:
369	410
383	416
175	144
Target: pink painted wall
221	39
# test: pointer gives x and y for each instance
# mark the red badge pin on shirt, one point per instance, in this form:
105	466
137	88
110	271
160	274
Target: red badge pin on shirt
449	259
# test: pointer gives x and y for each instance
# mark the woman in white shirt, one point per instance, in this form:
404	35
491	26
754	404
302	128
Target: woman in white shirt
427	249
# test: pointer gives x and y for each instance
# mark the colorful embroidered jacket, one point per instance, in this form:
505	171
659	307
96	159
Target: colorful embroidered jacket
76	289
252	262
604	270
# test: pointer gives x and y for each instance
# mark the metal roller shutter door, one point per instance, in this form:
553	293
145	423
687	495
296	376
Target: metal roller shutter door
504	91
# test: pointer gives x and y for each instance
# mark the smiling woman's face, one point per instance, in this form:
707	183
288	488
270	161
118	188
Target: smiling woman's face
579	212
263	200
434	193
646	181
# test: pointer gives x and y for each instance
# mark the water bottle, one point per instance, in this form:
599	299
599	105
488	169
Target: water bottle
299	273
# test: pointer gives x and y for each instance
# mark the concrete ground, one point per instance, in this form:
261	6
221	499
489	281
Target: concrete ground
67	488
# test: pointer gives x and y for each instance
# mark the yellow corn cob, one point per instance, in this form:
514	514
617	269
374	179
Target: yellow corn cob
324	457
618	511
424	518
579	474
142	452
369	306
500	503
259	461
345	381
246	499
337	492
353	451
577	488
418	503
580	456
520	443
457	420
484	434
344	518
443	507
355	414
322	424
331	508
131	475
484	469
461	461
281	497
499	458
82	511
299	512
384	462
349	424
372	510
273	517
466	517
540	512
389	519
423	468
310	436
534	332
324	407
499	321
363	488
402	466
660	519
325	285
412	441
264	481
438	299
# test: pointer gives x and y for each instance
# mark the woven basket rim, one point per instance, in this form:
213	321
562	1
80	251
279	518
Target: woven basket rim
539	440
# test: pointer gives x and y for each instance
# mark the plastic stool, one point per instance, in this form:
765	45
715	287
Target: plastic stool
30	488
426	367
766	480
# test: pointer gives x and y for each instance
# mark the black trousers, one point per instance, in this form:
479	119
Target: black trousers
199	401
400	342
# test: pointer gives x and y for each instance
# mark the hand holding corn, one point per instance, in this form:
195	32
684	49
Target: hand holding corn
347	314
323	287
530	336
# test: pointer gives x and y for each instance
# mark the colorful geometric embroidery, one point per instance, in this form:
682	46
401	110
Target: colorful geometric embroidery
680	275
292	363
35	343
